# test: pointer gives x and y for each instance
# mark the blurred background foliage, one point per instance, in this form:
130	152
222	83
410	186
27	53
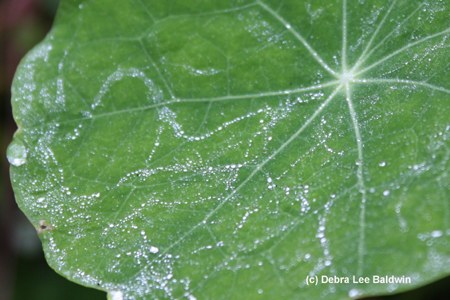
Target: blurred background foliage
24	274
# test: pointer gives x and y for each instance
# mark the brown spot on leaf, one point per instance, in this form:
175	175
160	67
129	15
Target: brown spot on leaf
43	226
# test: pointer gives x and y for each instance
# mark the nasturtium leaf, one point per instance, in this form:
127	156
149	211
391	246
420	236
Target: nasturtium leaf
229	149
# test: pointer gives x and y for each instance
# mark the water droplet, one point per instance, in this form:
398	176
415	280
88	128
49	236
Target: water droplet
115	295
437	233
382	164
353	293
154	249
17	153
386	193
260	291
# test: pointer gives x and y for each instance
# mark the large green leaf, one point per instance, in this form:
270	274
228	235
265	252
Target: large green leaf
229	149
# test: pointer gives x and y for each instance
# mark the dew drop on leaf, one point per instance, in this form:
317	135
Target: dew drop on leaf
17	153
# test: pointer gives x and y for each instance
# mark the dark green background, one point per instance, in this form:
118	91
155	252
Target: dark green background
24	273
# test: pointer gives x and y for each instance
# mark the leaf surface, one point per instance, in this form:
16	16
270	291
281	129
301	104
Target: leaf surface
229	149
